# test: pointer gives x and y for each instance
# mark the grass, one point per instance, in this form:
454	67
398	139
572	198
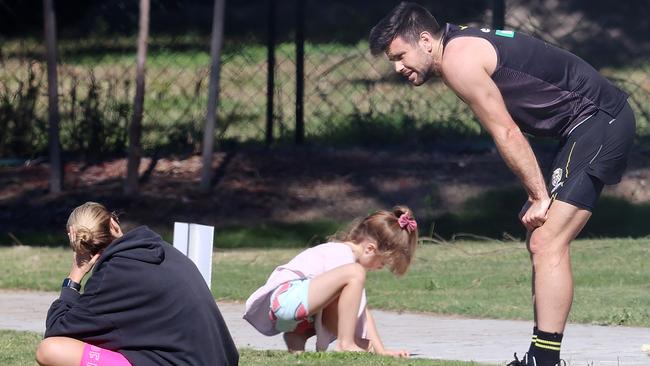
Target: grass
473	279
17	349
278	358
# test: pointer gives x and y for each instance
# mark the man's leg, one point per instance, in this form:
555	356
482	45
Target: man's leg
549	246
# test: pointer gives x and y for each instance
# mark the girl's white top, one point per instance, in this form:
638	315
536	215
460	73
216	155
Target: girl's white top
307	264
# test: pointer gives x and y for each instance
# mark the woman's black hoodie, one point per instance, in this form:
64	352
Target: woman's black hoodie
148	301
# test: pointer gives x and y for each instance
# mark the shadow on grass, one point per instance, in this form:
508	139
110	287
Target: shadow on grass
493	214
272	235
268	235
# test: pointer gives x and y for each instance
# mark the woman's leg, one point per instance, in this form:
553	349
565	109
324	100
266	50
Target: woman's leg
60	351
347	283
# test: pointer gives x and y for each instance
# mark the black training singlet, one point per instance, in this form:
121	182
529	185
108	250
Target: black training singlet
547	90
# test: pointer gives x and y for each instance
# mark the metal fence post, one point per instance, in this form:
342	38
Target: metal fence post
300	70
498	14
270	67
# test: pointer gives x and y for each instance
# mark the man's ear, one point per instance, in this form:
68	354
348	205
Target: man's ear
426	41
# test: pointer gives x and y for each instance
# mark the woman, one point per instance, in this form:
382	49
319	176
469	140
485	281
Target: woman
145	303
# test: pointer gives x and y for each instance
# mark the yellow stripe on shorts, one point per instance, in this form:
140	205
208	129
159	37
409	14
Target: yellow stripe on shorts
568	160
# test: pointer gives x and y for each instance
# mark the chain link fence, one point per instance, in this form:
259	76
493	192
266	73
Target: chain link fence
350	97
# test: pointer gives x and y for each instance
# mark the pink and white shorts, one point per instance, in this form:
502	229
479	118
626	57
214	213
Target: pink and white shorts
96	356
289	307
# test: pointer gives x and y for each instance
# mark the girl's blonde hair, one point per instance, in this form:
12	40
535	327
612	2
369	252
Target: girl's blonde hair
396	240
91	223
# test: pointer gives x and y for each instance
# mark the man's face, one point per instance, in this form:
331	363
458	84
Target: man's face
410	60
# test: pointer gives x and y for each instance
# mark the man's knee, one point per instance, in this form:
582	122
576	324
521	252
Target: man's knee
544	243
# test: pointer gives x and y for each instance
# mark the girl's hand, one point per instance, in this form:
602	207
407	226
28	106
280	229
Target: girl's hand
396	353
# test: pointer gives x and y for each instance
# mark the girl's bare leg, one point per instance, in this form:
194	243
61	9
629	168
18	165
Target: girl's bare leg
296	341
330	321
347	283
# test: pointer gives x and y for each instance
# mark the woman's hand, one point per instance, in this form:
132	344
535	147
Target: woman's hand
81	265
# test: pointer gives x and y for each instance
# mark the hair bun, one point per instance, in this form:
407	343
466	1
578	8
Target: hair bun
84	236
401	210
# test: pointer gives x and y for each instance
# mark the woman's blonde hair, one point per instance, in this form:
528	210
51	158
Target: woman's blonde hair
395	233
91	223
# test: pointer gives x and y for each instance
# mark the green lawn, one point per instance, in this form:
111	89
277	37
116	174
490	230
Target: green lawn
474	279
17	349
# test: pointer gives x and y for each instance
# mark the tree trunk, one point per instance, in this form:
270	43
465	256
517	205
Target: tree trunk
56	169
213	94
135	128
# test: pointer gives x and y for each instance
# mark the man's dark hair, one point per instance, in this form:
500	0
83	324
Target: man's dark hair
406	20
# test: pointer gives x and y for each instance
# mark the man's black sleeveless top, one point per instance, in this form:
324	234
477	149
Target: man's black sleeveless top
547	90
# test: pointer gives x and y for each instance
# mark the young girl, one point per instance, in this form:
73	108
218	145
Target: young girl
145	303
321	290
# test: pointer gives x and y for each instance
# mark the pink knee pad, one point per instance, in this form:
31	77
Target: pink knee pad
96	356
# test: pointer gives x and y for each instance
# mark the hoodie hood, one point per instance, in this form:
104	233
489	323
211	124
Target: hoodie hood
140	244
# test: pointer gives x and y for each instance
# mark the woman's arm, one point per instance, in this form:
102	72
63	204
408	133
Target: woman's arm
77	315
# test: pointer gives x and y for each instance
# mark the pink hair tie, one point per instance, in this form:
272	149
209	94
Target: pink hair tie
407	223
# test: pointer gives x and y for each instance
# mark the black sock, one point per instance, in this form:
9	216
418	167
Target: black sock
546	349
532	342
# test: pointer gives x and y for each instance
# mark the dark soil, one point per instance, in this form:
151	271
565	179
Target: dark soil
280	185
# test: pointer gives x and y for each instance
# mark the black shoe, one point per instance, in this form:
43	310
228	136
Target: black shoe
518	362
525	361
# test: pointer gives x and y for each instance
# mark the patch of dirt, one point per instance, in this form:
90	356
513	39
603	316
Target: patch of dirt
281	185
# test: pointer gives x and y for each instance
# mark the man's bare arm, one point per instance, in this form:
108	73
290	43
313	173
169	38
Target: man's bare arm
466	73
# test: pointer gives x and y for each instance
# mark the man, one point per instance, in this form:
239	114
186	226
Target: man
513	83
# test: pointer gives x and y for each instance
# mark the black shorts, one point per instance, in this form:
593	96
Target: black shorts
593	154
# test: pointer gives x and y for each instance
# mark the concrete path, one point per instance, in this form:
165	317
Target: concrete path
451	338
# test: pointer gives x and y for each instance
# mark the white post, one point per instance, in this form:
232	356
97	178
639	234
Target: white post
196	241
200	249
181	236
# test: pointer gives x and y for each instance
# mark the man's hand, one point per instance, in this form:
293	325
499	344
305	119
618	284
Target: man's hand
533	214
